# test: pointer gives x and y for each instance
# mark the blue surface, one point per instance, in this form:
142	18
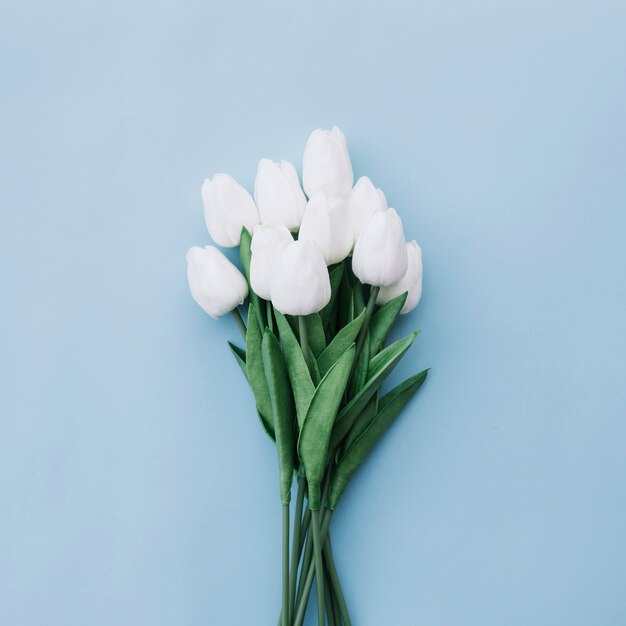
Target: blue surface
135	485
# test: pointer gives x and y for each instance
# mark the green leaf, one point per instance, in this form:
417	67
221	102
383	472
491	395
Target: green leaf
345	302
245	241
316	335
329	312
363	420
256	371
315	433
382	321
357	298
381	360
240	357
358	451
342	341
359	377
283	410
390	357
301	383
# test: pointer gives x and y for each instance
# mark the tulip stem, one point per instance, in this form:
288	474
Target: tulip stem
296	549
240	322
270	320
319	567
371	303
304	342
286	611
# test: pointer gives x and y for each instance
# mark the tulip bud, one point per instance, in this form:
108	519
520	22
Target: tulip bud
215	283
410	282
326	222
365	200
380	256
268	243
326	164
278	194
227	207
301	285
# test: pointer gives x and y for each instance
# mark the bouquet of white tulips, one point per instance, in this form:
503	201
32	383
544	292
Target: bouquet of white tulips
327	271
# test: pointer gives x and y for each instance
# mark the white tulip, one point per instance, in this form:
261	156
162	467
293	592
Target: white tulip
268	243
301	285
380	256
411	281
326	222
278	194
326	164
227	208
365	200
215	283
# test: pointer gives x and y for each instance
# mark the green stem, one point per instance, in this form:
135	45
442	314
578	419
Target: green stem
328	598
240	322
270	318
296	550
286	613
319	567
334	579
304	342
371	303
308	576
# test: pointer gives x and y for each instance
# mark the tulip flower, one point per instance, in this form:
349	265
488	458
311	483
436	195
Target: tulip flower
215	283
326	222
301	285
268	243
380	257
227	208
278	194
326	164
411	282
364	201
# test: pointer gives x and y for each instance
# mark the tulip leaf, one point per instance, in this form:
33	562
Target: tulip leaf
301	383
315	433
256	371
356	453
382	321
245	254
358	302
359	376
341	342
363	420
315	332
348	415
240	357
381	360
345	302
283	410
329	312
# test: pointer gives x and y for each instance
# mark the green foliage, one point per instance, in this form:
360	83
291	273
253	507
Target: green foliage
240	357
256	371
245	255
384	362
282	408
389	408
315	330
301	383
341	342
315	433
382	321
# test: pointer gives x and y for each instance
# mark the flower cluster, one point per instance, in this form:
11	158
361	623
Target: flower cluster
337	220
327	271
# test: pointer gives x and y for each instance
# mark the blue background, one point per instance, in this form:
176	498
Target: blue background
136	487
